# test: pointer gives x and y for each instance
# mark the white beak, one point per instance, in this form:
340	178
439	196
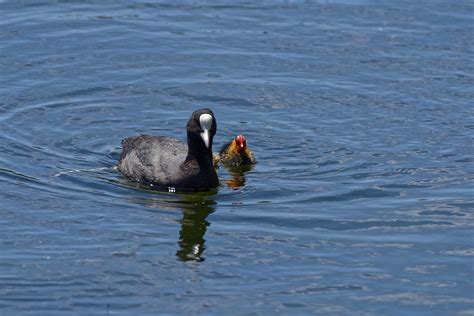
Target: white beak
205	120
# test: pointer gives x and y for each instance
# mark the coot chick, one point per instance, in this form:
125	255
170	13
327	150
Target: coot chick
235	153
162	161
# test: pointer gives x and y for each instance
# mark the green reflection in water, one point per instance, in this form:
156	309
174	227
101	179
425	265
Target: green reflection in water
196	208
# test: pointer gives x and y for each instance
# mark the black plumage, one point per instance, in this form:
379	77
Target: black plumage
166	162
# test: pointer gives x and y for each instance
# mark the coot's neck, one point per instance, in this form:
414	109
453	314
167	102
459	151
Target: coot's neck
198	151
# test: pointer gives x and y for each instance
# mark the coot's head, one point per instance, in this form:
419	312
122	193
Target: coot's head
240	142
201	128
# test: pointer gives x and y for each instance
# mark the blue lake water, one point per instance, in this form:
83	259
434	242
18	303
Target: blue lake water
360	114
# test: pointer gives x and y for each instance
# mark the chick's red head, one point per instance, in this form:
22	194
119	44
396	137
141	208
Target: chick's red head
241	142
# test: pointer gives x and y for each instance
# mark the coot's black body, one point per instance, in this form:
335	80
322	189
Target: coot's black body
166	162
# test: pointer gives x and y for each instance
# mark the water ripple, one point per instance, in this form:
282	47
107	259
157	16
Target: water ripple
360	116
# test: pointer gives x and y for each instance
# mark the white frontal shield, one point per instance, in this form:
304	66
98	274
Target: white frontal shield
205	120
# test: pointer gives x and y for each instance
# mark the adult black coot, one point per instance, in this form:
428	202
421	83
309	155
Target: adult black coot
235	153
162	161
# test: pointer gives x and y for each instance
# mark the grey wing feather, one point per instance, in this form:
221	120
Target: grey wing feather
152	159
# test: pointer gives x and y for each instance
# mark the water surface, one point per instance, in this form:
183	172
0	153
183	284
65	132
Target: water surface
359	113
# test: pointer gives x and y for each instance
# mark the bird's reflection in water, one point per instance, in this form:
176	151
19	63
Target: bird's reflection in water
237	176
195	206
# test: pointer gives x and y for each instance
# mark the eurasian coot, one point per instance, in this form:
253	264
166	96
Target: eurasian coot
235	153
162	161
